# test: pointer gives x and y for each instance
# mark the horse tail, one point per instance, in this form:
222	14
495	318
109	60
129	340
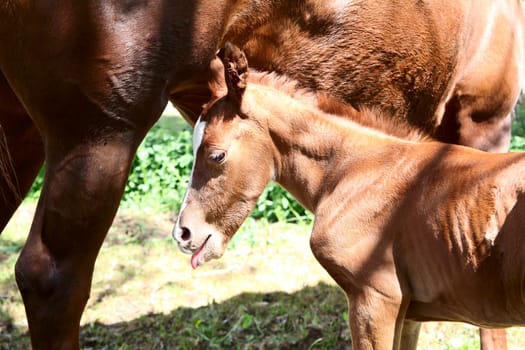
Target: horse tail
9	186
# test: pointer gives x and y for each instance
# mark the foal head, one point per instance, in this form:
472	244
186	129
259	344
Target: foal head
232	165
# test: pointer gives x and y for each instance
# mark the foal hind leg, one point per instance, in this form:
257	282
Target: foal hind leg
410	335
493	339
471	119
478	114
474	122
21	152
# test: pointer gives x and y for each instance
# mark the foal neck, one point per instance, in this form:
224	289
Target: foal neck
313	148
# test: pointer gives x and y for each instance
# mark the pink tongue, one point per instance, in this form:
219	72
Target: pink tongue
195	258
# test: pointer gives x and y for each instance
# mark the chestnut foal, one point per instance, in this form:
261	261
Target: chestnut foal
409	228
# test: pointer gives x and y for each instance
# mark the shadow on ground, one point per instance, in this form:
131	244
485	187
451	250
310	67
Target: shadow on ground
312	318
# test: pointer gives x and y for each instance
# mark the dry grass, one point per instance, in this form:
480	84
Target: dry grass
267	292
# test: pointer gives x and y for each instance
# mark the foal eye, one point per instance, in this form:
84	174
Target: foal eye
217	157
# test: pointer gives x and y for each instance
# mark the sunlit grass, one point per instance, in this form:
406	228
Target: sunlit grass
267	291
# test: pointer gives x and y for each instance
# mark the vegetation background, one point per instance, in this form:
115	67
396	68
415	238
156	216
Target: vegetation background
267	292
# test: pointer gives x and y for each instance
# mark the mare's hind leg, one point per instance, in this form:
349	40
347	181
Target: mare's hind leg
21	152
472	119
478	113
474	122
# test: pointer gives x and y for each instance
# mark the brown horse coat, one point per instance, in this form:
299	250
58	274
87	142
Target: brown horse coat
81	82
410	229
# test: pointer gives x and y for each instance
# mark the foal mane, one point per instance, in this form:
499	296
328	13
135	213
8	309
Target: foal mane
367	117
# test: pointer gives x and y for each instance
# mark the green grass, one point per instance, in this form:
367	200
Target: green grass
267	292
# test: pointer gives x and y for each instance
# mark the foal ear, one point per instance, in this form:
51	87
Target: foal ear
216	81
235	70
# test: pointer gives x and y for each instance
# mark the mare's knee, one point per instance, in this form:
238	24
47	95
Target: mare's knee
34	273
45	282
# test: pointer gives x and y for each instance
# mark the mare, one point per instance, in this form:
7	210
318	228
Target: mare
81	83
410	228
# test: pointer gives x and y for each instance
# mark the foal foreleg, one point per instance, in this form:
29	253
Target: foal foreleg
80	195
376	320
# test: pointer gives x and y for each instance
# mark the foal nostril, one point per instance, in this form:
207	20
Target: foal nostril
186	233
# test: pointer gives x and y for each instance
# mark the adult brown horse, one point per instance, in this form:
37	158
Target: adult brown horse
82	82
403	238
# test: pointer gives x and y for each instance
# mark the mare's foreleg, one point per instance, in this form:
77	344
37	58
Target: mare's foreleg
82	188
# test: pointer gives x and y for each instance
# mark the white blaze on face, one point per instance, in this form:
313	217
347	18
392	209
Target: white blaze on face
198	134
198	238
